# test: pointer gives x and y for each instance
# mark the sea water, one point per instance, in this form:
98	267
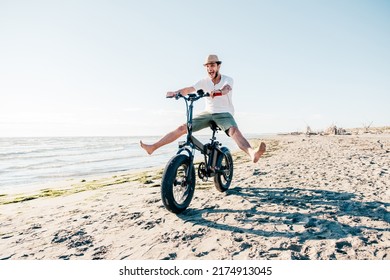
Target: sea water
36	161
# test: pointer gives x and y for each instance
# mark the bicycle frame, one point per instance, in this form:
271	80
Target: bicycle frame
192	143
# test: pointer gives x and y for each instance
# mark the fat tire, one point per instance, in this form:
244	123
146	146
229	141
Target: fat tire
168	184
220	182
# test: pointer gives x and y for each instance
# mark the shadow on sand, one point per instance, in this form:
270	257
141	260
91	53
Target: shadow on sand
306	214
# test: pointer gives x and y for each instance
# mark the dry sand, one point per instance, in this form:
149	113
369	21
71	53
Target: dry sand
319	197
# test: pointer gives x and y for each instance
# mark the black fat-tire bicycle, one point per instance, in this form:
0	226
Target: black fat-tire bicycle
178	180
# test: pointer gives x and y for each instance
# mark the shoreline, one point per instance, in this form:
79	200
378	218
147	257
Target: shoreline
70	186
36	189
317	197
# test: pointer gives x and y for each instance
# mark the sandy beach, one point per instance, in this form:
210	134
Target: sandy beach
317	197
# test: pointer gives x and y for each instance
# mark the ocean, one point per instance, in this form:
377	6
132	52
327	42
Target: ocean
26	162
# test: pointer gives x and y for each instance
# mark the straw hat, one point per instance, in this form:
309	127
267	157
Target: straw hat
212	58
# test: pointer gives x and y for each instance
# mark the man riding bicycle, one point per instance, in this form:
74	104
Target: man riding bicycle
219	108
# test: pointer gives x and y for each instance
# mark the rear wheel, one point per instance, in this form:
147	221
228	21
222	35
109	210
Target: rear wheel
178	185
224	173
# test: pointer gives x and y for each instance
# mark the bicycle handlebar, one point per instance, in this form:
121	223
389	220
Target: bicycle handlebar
194	96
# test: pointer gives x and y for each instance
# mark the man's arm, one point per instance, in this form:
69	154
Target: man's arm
183	91
224	90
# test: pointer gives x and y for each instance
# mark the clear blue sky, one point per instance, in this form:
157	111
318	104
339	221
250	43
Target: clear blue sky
70	68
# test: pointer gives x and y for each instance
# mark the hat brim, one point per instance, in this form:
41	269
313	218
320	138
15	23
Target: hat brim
210	62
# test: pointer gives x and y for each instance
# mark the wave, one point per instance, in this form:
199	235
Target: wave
43	160
58	151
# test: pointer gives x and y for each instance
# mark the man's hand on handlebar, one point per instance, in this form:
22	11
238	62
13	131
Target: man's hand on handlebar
224	90
215	93
171	94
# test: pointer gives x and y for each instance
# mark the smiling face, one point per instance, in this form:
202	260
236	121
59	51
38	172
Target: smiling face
213	70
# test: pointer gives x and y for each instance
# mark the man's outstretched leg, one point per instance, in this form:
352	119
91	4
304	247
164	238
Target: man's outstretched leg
169	138
244	145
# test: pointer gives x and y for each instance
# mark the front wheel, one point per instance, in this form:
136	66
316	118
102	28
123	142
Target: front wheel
224	174
178	184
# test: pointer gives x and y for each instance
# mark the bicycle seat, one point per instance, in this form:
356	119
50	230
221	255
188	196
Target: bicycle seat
214	126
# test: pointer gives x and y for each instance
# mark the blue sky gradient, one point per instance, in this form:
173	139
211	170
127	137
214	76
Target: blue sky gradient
86	68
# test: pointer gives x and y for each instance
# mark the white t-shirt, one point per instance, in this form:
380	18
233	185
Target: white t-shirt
218	104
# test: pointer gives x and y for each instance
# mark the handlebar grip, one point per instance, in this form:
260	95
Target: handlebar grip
176	96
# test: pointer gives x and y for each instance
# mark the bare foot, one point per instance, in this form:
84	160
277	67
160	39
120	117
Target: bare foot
260	151
148	148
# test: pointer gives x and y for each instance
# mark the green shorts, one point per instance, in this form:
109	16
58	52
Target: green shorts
223	120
